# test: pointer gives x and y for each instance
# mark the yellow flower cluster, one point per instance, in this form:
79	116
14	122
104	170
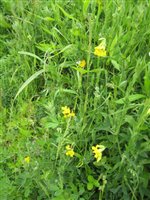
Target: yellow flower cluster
81	63
27	159
69	151
100	50
67	112
97	150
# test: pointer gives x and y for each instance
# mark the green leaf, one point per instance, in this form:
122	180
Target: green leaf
68	91
49	19
147	82
66	48
65	13
30	54
95	70
45	47
116	189
96	183
91	179
85	6
29	80
3	22
82	71
115	64
89	186
130	120
43	187
50	124
131	98
64	91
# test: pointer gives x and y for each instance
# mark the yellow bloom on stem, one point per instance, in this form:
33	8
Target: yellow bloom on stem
67	112
97	150
70	152
68	147
27	159
81	63
72	114
100	50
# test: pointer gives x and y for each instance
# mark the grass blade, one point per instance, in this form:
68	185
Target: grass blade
131	98
29	80
30	54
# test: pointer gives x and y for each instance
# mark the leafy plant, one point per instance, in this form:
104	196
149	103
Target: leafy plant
74	75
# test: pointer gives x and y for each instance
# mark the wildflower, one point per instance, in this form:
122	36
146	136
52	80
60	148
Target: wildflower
70	152
27	159
72	114
67	112
97	150
81	63
100	50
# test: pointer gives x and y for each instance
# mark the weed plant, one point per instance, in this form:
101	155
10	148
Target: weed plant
75	99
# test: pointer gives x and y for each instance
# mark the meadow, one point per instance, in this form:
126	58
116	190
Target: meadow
75	99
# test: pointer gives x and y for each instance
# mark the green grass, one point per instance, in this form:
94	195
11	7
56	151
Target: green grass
41	41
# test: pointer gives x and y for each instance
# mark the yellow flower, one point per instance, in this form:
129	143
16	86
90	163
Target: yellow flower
81	63
97	150
70	152
68	147
100	50
72	114
67	112
27	159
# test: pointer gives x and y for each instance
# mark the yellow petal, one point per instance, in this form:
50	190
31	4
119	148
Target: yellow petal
72	114
68	147
82	63
70	153
64	107
27	159
100	52
99	157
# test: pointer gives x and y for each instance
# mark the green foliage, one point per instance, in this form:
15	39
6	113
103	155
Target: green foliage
41	43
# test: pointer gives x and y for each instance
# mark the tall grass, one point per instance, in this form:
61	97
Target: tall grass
41	43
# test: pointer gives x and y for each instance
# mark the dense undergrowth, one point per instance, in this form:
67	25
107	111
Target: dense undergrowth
46	152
